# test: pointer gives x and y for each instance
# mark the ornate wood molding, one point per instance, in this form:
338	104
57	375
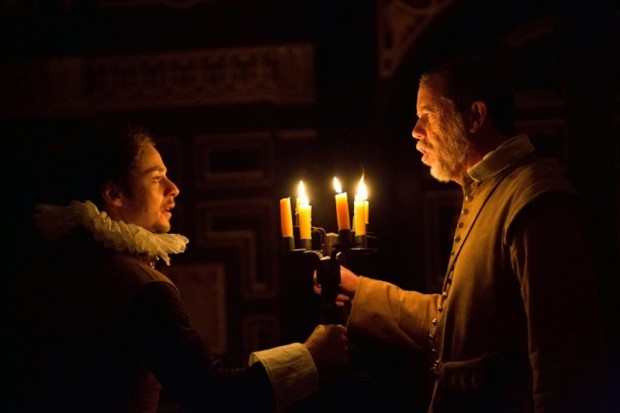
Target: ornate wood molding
167	3
399	23
281	74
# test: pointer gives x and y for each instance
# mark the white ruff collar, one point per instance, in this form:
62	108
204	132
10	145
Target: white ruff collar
55	221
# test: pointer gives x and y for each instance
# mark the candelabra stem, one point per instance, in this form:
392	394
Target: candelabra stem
328	274
361	241
344	239
288	243
305	244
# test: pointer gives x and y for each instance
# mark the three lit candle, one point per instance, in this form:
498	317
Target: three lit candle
303	211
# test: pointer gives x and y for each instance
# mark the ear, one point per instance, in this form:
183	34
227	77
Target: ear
112	194
478	115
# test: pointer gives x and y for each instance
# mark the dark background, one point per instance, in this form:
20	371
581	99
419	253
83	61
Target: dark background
562	57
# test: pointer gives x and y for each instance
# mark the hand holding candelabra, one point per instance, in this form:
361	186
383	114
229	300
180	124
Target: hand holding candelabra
312	256
317	251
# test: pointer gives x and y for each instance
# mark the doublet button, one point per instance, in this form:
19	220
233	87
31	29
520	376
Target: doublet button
431	342
457	238
461	224
464	211
468	198
434	321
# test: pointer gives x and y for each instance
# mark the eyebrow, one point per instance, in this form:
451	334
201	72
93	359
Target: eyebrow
426	107
153	169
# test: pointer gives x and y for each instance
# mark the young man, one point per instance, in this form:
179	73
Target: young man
517	326
100	329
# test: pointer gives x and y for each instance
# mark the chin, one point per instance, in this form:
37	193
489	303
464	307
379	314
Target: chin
161	229
439	175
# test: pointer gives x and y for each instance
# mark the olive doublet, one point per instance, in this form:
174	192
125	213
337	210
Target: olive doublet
516	326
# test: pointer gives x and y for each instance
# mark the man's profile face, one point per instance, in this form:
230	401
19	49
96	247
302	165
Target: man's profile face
150	198
442	138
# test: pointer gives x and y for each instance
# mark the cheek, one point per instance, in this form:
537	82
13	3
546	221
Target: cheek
145	202
434	124
152	204
435	133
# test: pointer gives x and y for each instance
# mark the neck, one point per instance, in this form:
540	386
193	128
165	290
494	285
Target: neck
484	141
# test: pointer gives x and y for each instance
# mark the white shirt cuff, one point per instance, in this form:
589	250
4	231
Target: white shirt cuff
291	371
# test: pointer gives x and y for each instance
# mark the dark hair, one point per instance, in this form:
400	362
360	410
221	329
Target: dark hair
477	78
89	157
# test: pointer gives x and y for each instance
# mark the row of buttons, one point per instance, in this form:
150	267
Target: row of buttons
444	294
431	336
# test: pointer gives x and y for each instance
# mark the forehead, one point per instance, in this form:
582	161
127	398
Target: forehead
431	94
431	88
148	160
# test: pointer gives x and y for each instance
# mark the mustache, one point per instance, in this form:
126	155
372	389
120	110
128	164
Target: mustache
422	146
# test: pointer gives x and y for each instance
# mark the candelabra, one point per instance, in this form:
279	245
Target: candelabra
311	255
321	257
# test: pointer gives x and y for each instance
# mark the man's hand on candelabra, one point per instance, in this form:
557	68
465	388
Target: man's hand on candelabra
329	347
348	285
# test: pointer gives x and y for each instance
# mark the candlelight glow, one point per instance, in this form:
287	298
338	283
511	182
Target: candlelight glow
362	191
342	207
360	208
302	198
304	212
337	186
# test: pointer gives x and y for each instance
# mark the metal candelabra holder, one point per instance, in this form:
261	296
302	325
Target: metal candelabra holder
353	387
325	253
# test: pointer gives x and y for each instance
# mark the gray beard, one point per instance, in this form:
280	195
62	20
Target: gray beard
451	161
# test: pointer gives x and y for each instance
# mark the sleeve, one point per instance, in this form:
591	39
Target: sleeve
551	256
383	311
158	329
291	371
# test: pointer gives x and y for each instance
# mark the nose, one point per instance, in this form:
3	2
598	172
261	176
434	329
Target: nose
418	131
173	190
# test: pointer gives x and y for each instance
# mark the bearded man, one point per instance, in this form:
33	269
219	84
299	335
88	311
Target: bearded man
517	326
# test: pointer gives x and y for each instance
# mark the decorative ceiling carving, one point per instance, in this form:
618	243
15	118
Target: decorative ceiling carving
399	24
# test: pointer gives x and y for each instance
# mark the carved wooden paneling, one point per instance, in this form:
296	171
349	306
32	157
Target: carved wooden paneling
270	74
281	74
248	228
399	23
147	3
260	332
234	160
550	137
533	55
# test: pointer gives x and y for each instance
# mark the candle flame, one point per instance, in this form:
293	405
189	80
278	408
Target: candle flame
337	186
301	191
362	191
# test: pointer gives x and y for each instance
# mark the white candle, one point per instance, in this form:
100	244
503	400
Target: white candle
304	213
342	207
286	217
360	209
